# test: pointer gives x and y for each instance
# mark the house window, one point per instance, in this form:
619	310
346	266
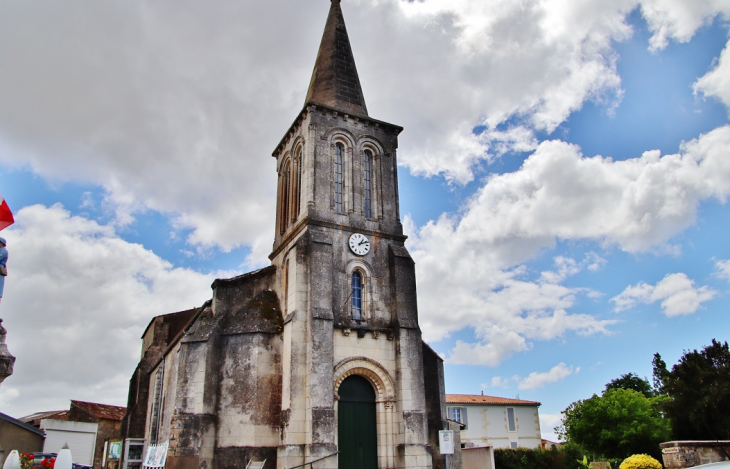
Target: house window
513	445
368	178
511	424
357	285
339	176
458	414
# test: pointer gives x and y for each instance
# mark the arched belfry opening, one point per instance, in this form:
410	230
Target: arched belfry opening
356	424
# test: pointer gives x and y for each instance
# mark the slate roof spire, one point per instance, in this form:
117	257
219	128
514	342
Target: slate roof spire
335	82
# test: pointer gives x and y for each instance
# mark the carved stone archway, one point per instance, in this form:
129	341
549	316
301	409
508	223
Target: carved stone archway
384	387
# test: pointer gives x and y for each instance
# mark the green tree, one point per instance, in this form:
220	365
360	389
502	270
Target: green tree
617	424
631	381
698	390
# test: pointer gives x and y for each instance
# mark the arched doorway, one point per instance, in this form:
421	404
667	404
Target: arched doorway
356	428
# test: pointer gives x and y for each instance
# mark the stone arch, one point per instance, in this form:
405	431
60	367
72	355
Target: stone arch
341	134
370	370
368	142
297	143
360	263
282	161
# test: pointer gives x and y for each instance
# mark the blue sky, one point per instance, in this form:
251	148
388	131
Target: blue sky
552	256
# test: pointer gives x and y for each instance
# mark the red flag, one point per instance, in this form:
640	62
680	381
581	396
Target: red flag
6	216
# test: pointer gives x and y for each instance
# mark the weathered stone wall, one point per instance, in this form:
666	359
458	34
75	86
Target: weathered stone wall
170	368
433	377
682	454
249	406
159	335
221	398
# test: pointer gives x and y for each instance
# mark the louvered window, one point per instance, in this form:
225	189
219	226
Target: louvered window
298	197
367	177
339	176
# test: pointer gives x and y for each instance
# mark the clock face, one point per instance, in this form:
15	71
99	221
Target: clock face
359	244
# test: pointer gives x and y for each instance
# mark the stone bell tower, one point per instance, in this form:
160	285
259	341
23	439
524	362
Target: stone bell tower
352	354
317	358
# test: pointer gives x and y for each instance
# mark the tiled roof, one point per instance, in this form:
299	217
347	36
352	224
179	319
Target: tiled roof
49	414
102	411
482	399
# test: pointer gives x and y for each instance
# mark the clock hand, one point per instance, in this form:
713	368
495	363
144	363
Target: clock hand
364	241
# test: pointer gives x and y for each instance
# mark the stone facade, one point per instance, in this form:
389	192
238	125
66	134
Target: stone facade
161	332
683	454
256	373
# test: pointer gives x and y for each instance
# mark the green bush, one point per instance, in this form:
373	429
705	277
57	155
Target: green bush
566	457
640	461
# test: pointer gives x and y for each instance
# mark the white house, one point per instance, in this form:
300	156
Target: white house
495	421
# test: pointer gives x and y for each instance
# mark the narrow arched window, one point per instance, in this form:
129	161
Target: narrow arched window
357	285
339	176
298	193
286	197
368	180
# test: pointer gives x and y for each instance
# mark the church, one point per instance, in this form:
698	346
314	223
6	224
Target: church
319	356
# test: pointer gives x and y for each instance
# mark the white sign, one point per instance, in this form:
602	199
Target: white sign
156	455
446	441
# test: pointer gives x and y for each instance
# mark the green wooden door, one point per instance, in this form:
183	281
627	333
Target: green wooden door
357	434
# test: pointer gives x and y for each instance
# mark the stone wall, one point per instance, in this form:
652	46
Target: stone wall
682	454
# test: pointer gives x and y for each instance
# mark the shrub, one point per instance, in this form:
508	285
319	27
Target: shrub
565	457
640	461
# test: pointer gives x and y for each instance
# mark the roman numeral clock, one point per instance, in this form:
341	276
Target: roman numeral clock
359	244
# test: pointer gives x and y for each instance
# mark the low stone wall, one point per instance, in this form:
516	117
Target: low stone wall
682	454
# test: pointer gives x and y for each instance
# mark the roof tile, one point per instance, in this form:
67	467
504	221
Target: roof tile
102	411
482	399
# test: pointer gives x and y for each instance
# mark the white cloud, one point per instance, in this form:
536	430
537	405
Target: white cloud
717	81
75	305
723	269
548	422
679	19
499	382
538	380
677	293
177	110
499	345
466	264
566	267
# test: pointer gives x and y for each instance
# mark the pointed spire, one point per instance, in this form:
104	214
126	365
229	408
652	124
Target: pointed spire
335	82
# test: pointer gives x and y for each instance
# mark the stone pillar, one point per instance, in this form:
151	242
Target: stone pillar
6	360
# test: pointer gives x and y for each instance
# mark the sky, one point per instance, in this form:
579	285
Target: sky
564	174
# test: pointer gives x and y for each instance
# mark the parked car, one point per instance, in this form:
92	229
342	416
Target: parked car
714	465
